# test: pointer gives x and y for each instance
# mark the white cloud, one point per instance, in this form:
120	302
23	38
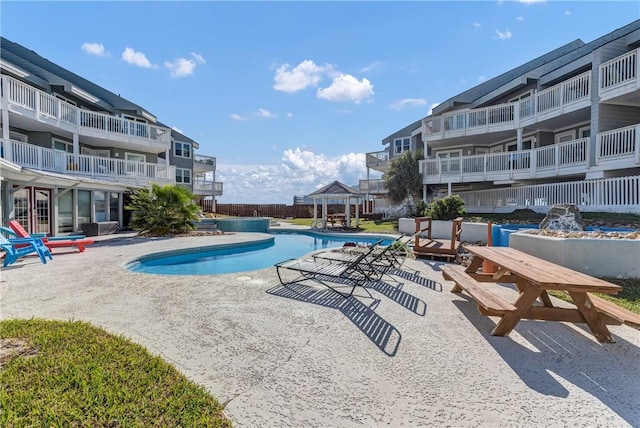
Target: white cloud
199	58
408	103
265	113
376	65
96	49
299	173
520	18
434	105
136	58
532	1
236	116
347	88
289	115
175	128
482	78
567	12
503	35
476	26
183	67
305	74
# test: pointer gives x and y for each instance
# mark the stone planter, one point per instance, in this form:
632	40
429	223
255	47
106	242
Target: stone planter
602	258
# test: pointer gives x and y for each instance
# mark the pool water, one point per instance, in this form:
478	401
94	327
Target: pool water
242	257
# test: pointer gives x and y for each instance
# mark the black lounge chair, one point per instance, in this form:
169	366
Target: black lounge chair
380	261
352	274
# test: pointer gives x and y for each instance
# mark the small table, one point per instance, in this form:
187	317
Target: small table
533	277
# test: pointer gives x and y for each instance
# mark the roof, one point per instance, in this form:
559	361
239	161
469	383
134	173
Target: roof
335	189
536	68
44	73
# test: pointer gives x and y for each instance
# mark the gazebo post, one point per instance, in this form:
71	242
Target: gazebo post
324	212
358	212
347	211
315	210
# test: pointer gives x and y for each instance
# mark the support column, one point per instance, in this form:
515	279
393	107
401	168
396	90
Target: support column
347	211
315	210
519	139
449	188
324	212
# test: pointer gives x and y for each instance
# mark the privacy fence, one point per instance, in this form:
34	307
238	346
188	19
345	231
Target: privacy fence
278	210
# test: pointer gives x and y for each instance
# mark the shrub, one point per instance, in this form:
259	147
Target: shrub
162	210
447	208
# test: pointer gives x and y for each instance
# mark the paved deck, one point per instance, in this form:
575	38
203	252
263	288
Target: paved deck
302	356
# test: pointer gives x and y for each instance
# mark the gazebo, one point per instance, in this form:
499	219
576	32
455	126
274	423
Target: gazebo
333	191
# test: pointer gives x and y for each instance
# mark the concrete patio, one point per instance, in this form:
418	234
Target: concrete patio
415	355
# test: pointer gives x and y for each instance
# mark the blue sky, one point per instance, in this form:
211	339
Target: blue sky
290	95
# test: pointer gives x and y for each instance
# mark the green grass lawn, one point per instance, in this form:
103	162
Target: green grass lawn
369	226
74	374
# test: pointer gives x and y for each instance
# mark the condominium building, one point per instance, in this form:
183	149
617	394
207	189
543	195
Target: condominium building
562	128
70	150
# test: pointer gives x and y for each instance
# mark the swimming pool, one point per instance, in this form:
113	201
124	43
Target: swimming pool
242	257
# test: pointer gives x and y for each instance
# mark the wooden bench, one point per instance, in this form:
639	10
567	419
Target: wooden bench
488	303
617	314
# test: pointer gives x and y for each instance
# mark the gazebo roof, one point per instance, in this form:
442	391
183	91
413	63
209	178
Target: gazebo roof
335	190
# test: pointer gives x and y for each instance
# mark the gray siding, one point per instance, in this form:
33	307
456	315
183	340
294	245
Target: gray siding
615	116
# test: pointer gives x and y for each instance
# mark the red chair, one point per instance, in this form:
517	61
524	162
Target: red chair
58	242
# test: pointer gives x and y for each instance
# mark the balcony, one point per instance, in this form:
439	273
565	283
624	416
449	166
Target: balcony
378	161
87	166
557	100
207	188
31	103
619	78
203	164
373	187
615	149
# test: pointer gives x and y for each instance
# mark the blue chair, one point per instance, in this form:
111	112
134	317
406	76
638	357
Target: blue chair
32	246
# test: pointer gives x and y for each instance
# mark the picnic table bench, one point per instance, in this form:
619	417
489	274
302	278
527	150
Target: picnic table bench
533	278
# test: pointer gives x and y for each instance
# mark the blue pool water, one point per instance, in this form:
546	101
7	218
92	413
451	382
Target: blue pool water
241	257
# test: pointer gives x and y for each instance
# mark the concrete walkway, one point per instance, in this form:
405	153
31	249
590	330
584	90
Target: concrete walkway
415	355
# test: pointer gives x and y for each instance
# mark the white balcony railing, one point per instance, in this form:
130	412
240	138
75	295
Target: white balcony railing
46	107
608	194
209	188
377	159
615	149
619	71
208	162
95	167
499	166
372	187
546	102
619	143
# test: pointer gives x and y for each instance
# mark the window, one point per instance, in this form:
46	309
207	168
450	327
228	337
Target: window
100	205
17	137
182	150
63	146
84	206
104	153
565	136
449	162
401	145
584	132
183	176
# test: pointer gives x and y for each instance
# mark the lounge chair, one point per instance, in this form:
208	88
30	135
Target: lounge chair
20	247
353	274
388	257
376	264
78	241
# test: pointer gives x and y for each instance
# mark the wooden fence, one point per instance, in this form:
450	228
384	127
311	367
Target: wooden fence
277	210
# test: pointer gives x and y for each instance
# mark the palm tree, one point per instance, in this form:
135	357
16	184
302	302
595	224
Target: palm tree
402	180
162	210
